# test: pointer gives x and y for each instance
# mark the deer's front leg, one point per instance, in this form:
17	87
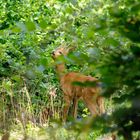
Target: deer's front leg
74	109
67	101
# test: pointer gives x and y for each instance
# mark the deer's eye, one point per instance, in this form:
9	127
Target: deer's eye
60	52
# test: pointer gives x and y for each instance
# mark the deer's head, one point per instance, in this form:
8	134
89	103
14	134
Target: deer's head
61	51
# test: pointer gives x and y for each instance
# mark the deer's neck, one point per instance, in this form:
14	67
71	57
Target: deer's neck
61	70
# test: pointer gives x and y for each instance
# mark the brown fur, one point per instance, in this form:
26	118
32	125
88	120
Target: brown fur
72	92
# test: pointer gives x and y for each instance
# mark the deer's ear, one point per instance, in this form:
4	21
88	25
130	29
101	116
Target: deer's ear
63	45
70	49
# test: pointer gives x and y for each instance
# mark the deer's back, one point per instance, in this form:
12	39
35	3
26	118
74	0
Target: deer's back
74	84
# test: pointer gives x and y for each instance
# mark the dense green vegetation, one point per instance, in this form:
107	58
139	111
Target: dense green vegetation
106	37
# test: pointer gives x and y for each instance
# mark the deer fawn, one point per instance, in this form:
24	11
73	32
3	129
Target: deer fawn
73	92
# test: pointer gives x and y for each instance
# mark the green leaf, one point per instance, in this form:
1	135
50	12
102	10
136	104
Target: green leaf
43	24
111	41
94	52
136	7
40	68
20	25
16	78
16	29
30	26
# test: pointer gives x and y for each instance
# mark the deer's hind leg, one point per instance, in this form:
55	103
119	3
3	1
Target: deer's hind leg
92	105
100	103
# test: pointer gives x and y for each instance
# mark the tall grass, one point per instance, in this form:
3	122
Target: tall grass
19	105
